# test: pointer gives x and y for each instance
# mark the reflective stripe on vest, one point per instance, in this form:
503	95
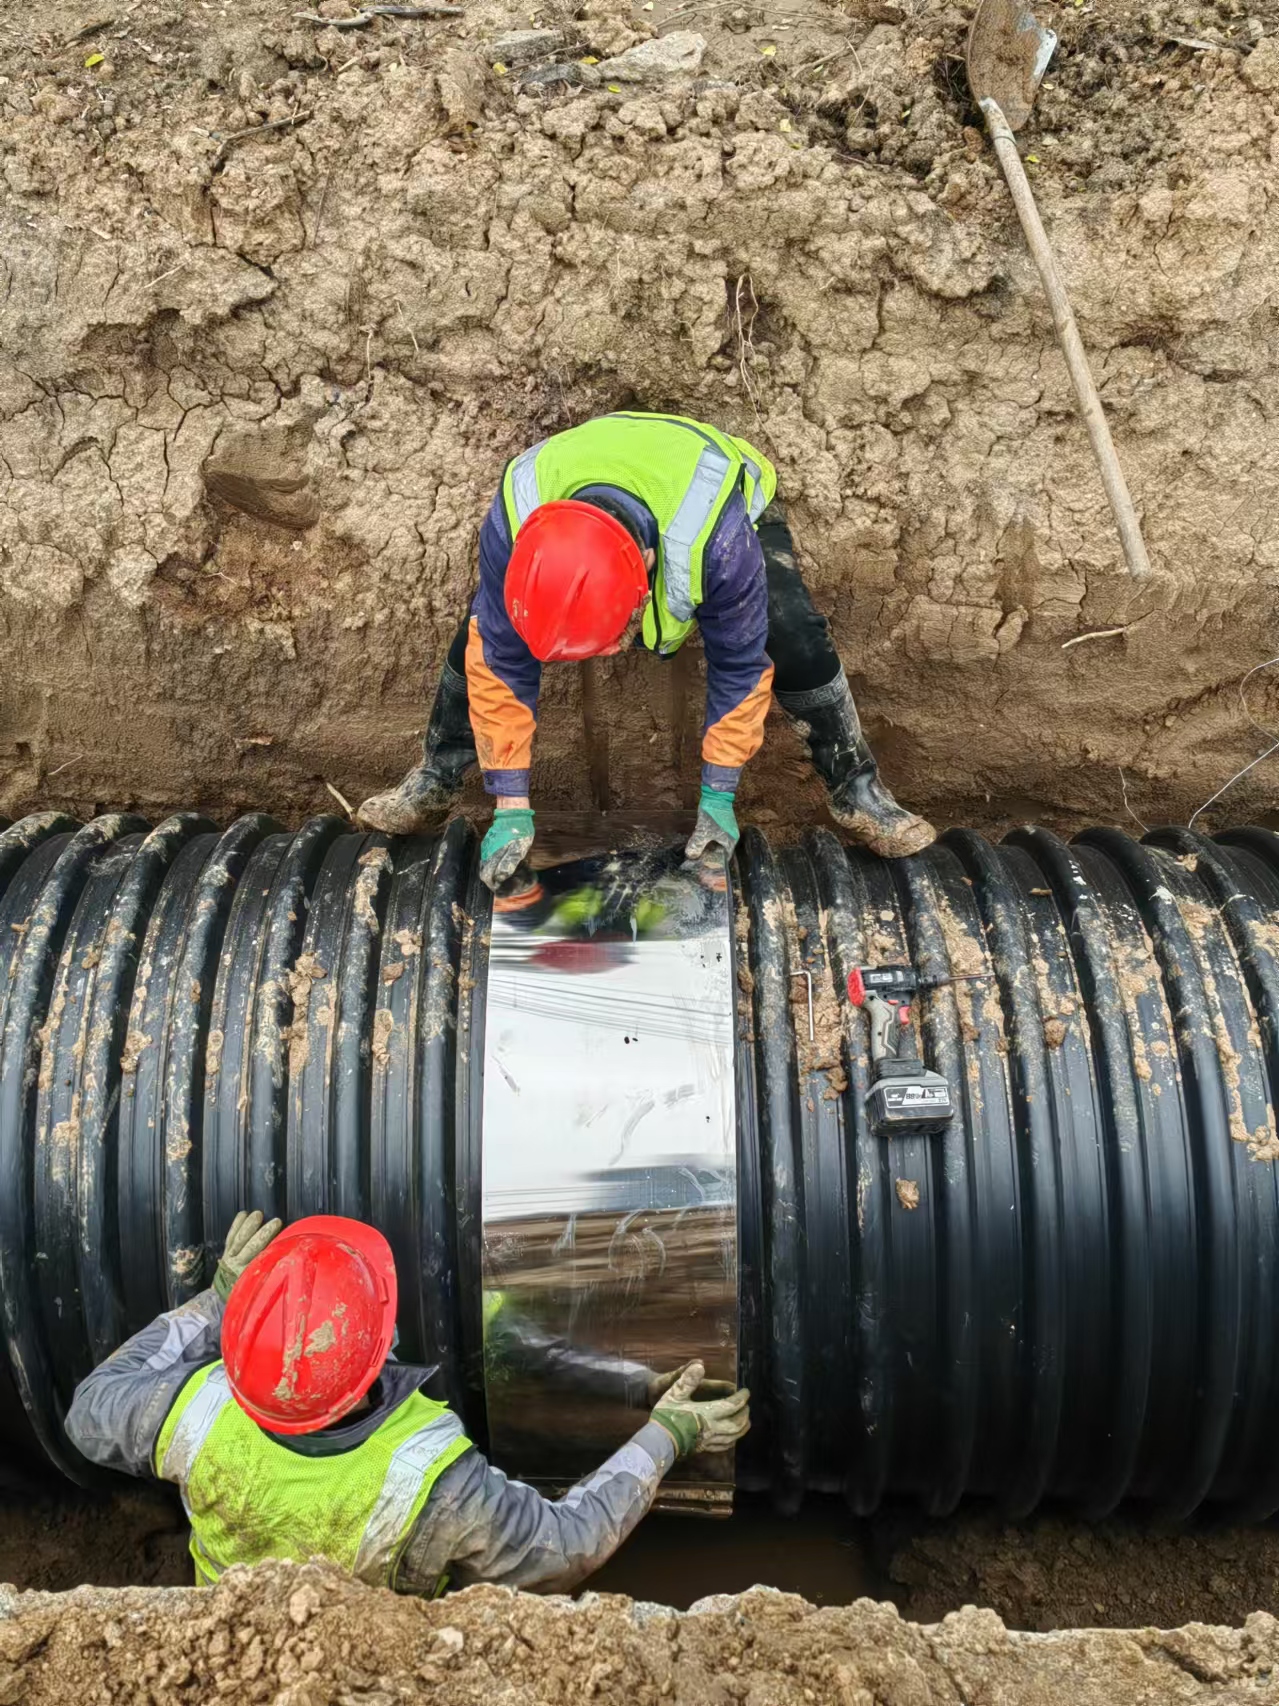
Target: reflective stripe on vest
412	1463
701	504
759	498
524	483
193	1427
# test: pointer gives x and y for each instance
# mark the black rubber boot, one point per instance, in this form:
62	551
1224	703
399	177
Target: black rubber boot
858	799
448	752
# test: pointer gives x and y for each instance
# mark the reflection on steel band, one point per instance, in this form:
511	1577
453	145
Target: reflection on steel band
609	1160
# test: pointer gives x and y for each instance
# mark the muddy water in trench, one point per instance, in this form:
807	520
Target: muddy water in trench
822	1554
56	1537
1052	1573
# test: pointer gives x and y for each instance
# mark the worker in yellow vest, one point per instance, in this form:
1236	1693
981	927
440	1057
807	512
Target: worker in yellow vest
634	529
274	1402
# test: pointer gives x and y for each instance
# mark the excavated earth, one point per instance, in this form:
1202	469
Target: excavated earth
906	1613
308	1637
280	298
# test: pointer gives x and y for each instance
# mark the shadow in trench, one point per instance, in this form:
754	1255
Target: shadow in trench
823	1553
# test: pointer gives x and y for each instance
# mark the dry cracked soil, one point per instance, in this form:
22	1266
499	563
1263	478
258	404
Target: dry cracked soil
279	298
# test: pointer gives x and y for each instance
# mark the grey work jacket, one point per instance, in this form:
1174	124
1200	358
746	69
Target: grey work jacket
477	1526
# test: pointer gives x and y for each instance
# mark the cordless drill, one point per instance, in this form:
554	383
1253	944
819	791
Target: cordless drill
905	1099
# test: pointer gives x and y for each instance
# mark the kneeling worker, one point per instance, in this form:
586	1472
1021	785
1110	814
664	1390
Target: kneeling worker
631	529
293	1433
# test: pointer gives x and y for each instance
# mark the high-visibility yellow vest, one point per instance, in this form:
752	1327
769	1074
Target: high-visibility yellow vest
249	1498
683	471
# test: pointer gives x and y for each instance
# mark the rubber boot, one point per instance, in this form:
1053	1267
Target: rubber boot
448	752
858	799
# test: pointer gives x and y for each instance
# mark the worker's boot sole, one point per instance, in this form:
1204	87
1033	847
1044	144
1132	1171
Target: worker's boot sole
425	795
827	720
889	840
406	810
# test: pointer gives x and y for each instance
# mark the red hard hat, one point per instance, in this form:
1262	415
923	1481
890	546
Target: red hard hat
309	1323
575	957
575	579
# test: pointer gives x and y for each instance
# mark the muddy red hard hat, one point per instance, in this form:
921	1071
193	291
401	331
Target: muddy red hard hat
575	579
309	1323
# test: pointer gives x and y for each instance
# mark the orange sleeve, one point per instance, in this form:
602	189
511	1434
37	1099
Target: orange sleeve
503	724
739	733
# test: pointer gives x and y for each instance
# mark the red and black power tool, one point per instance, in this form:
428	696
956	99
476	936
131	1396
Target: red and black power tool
905	1098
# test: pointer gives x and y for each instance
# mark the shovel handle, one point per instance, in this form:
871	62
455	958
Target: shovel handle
1112	475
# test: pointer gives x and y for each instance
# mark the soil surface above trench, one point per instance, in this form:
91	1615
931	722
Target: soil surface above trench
281	297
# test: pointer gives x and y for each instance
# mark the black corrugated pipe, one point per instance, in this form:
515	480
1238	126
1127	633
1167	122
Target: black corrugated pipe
1069	1292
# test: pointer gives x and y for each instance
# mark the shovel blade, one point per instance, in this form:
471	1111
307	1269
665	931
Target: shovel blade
1008	53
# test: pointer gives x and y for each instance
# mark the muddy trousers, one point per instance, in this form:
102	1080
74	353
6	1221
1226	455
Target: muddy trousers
810	686
806	668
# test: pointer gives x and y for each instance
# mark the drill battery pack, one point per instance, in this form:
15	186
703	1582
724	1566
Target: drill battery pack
908	1100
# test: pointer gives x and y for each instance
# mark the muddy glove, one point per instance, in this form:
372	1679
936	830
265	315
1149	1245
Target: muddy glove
714	1424
246	1239
716	824
660	1384
509	840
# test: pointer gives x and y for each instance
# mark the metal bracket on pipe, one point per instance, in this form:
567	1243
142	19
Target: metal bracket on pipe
609	1162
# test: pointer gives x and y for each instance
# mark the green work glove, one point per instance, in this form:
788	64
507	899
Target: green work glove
716	824
246	1239
509	840
660	1384
700	1424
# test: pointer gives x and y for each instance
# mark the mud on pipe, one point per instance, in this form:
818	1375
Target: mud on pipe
598	1134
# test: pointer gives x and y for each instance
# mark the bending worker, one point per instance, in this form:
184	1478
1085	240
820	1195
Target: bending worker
273	1401
631	529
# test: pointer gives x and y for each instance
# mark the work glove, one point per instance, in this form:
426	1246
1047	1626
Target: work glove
509	841
660	1384
697	1424
246	1239
716	824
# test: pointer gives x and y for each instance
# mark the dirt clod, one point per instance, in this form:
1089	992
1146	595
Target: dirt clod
383	1031
134	1044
